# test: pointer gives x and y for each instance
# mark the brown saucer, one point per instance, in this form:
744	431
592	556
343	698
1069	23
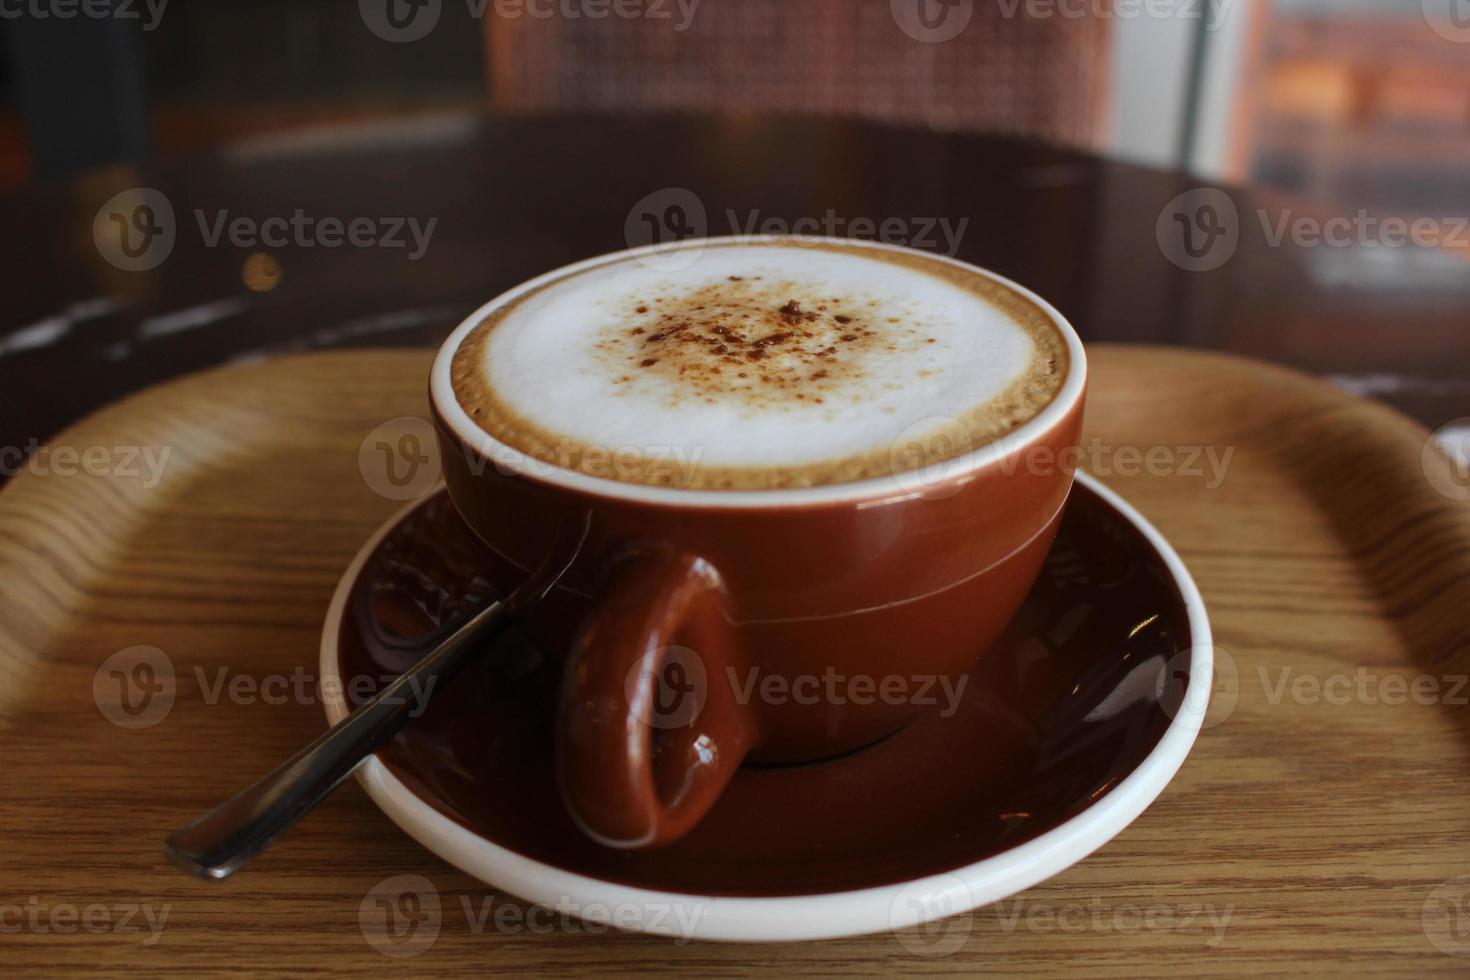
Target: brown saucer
1074	699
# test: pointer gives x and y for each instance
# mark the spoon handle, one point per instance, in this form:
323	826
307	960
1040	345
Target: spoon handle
220	842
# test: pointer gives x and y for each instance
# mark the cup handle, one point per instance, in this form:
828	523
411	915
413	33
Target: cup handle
650	731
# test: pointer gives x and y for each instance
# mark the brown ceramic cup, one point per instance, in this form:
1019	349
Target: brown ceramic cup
708	628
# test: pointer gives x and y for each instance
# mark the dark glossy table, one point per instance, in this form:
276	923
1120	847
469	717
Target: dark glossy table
514	197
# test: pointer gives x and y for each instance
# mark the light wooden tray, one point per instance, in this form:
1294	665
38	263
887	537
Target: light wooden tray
1316	827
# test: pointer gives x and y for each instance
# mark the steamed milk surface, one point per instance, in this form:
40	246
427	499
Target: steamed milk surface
755	366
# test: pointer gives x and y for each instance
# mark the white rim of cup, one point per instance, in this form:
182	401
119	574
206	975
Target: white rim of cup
507	459
828	915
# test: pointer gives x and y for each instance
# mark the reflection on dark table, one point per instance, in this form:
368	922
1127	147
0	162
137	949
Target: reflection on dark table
511	198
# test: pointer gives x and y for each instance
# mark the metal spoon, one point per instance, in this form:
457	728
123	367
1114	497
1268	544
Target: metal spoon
217	844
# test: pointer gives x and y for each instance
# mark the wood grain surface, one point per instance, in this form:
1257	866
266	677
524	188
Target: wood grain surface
1319	826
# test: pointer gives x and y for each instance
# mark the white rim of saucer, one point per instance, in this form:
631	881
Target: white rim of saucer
510	460
797	917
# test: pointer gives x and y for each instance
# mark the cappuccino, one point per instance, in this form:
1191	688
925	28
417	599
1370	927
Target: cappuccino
768	365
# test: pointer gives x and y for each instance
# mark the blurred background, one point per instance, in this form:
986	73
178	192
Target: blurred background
1355	98
1064	131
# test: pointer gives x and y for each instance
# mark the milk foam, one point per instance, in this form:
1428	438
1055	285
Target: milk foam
759	365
